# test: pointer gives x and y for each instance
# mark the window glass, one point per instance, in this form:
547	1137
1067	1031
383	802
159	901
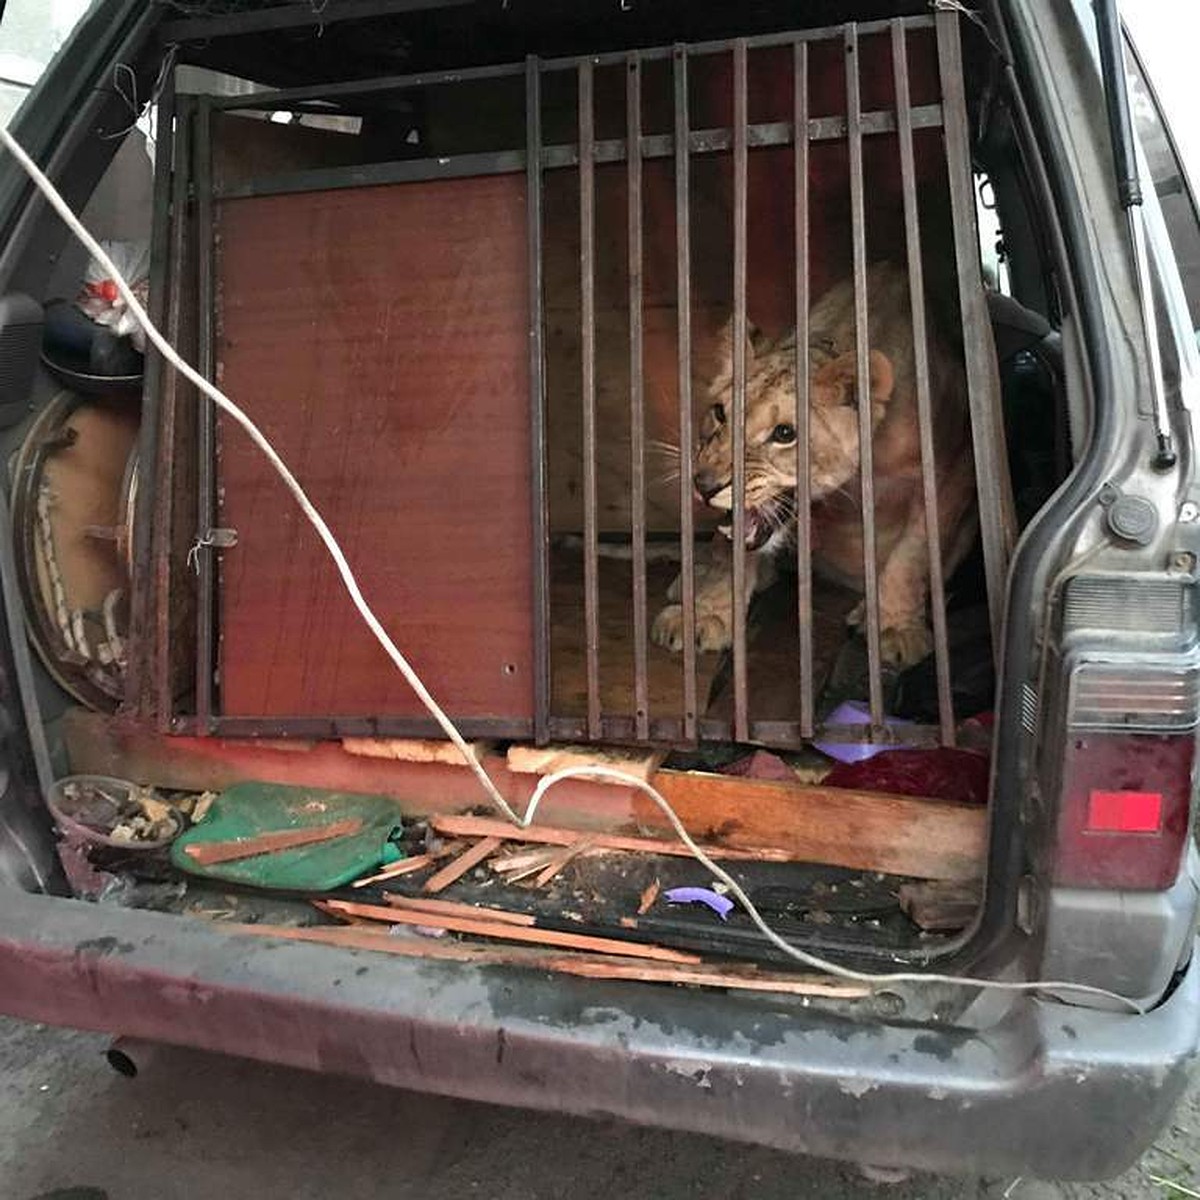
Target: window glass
31	32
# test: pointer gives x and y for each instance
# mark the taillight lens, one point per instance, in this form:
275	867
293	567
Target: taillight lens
1125	810
1126	783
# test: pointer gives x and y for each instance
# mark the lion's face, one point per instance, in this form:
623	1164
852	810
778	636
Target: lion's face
771	432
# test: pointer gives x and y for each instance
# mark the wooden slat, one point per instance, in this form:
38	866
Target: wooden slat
361	937
864	831
462	864
452	908
457	826
515	933
207	854
545	760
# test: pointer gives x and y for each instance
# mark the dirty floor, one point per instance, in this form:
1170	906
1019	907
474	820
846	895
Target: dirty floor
195	1125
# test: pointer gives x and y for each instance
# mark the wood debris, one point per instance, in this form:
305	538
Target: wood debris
369	937
452	908
462	864
648	898
940	907
406	866
482	927
545	760
561	859
415	750
207	854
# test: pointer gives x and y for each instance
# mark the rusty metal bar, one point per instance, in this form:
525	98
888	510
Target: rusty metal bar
916	279
683	300
587	269
558	156
163	498
804	602
637	400
537	403
144	652
996	517
862	346
740	718
206	423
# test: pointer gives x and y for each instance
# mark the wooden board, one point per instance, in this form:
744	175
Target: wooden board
901	835
378	336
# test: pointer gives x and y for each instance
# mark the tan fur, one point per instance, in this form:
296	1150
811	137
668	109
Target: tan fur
835	482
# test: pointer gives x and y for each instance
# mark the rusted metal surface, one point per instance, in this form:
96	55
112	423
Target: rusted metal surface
537	401
164	490
997	525
683	308
141	673
637	400
804	596
916	276
741	719
587	283
205	420
862	344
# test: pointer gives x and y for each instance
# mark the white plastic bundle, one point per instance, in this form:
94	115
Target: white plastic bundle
100	298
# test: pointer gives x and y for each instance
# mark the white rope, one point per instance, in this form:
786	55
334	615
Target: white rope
402	664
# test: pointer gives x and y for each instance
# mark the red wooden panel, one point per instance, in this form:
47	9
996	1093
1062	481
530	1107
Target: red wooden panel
378	336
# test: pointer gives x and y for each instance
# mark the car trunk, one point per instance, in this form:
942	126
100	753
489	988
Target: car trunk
478	330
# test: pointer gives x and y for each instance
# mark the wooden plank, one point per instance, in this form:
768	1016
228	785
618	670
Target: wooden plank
496	929
415	750
864	831
207	854
452	908
462	864
861	830
545	760
362	937
456	826
339	312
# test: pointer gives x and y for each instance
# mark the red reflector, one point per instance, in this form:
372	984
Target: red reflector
1124	812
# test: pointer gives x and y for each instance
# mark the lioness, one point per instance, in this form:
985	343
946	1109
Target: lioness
901	546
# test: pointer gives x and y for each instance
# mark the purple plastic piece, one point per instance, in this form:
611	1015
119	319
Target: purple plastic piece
854	712
721	905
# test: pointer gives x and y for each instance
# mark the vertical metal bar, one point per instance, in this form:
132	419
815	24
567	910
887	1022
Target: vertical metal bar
206	423
804	610
997	524
862	344
740	719
637	406
537	402
683	300
587	269
163	500
142	660
916	278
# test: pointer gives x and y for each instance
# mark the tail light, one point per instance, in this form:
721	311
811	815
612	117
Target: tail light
1126	785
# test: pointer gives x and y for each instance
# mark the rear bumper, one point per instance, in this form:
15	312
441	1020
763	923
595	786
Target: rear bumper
1050	1090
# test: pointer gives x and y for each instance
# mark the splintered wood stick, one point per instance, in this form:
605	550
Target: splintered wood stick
560	860
452	908
207	854
459	826
364	937
512	933
406	866
462	864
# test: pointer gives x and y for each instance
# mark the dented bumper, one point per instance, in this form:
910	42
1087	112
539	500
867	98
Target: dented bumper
1048	1090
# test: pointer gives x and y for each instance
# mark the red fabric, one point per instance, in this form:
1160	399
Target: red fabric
940	774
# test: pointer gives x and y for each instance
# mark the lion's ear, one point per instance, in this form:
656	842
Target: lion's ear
840	376
756	343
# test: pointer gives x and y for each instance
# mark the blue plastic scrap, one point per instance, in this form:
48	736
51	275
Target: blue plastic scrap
721	905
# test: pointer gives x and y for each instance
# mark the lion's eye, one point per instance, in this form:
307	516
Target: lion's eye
718	412
784	434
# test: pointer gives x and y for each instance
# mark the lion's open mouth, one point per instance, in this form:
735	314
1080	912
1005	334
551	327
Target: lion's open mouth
762	521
